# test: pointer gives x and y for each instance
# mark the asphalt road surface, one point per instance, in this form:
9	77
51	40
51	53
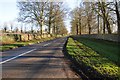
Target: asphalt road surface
43	60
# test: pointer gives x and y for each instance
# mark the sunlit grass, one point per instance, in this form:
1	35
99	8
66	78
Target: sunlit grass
92	59
107	49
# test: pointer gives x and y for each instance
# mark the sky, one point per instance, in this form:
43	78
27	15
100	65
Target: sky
9	11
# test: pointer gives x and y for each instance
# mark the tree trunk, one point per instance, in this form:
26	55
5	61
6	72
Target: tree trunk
28	37
103	26
49	32
54	29
118	22
98	23
89	27
80	26
118	16
108	27
50	13
104	17
76	29
41	29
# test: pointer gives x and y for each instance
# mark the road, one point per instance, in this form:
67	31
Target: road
43	60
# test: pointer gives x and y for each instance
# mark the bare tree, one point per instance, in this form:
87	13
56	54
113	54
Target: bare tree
104	12
89	17
16	29
116	4
50	16
58	17
32	12
11	27
76	16
117	14
75	21
5	28
62	29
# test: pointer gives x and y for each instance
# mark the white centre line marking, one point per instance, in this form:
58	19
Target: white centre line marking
16	56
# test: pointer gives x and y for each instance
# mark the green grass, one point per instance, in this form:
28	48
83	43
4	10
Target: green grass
20	44
107	49
90	58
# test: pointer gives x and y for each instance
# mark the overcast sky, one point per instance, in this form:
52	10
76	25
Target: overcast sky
9	11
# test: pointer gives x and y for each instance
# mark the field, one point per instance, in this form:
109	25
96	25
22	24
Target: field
95	57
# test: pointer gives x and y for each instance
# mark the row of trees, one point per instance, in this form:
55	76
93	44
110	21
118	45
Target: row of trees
14	28
96	17
7	28
46	13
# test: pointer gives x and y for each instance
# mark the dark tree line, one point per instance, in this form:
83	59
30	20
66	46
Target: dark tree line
98	17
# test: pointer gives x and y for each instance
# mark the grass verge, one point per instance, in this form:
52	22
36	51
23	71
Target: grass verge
107	49
94	65
20	44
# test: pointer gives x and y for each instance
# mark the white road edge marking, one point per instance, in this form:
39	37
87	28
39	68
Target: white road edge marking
16	56
46	44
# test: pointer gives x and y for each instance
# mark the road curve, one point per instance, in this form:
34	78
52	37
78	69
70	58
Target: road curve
43	60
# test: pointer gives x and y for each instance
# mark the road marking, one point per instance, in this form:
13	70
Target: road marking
46	44
16	56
